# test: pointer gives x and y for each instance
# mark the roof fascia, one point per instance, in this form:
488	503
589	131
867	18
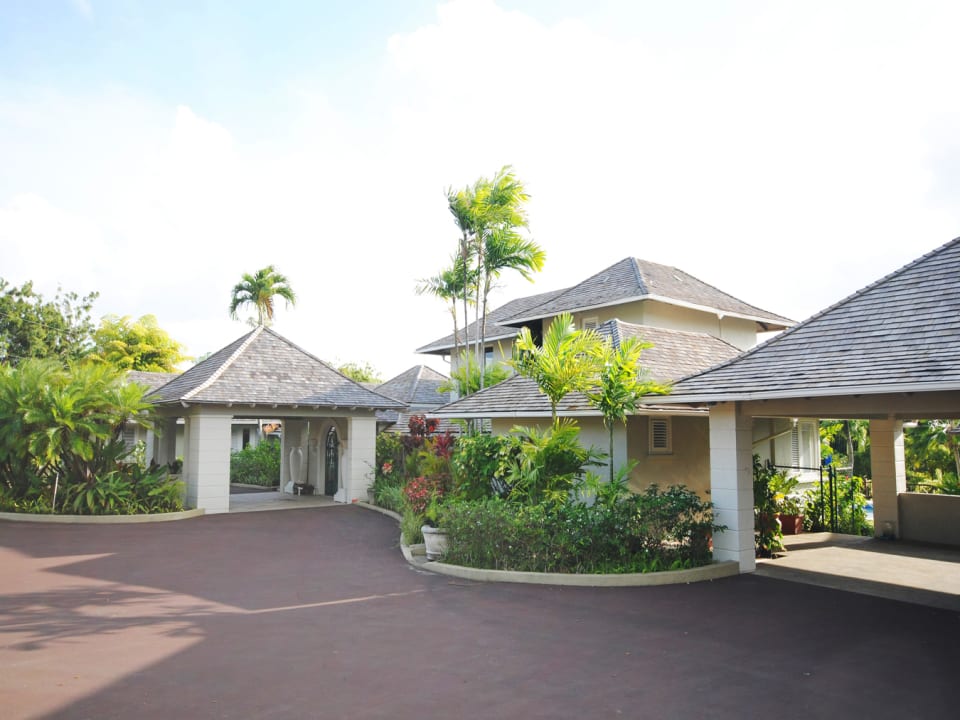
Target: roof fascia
769	322
805	393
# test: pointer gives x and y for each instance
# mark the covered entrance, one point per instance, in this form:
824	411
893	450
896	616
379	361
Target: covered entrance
889	353
328	421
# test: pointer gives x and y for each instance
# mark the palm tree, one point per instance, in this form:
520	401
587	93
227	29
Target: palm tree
567	361
259	290
489	214
621	383
447	285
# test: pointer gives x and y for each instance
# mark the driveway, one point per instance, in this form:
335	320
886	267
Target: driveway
313	614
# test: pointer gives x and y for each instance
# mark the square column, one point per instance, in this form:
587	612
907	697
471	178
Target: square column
359	458
206	462
889	475
731	484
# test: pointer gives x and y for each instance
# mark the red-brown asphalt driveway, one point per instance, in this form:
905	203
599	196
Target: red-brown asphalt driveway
314	614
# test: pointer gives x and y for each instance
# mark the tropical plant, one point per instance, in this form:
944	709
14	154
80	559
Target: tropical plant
567	361
136	345
360	372
768	535
466	379
61	441
259	290
490	215
476	464
621	383
257	464
544	466
449	285
31	327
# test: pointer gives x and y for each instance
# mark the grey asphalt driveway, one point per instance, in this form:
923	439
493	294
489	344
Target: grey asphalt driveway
314	614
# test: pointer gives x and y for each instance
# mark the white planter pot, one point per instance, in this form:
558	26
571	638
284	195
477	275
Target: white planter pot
435	541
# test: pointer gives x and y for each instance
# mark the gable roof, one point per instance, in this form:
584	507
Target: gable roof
417	387
264	368
495	330
633	279
899	334
675	353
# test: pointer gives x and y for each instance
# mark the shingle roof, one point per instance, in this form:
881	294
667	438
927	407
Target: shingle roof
634	279
263	367
675	354
418	386
494	331
150	380
900	334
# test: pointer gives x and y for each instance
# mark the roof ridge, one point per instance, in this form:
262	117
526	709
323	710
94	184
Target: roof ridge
849	298
229	361
641	285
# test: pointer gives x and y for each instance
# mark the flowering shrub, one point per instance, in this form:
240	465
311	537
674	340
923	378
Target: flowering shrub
420	491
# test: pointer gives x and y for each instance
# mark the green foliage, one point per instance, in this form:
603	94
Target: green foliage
476	464
31	327
259	290
257	464
389	497
621	382
657	530
490	215
538	466
767	533
136	345
61	427
932	457
844	512
467	379
567	361
410	524
360	372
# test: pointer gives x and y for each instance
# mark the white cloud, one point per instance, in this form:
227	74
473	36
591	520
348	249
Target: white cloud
789	162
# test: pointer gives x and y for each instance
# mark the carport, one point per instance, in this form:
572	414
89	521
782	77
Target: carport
888	353
328	420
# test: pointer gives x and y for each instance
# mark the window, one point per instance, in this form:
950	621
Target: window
590	323
661	436
246	438
488	355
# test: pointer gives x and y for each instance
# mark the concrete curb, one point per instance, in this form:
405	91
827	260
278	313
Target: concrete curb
714	571
102	519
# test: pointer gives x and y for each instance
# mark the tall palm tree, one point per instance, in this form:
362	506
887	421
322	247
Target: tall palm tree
259	290
446	285
489	214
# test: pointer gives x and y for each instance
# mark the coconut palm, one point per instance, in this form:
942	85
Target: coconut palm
259	290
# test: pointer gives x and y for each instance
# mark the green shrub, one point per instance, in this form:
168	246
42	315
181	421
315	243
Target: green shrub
389	497
846	513
476	463
410	525
257	464
656	530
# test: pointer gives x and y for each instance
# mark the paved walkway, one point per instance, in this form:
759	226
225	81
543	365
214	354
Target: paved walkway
250	500
908	572
312	613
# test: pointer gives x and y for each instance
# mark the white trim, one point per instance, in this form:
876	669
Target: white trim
662	299
802	393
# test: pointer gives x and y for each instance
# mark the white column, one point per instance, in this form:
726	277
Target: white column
359	458
889	473
731	484
206	465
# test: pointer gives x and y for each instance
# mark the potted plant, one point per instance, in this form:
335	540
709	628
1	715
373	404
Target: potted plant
434	538
790	514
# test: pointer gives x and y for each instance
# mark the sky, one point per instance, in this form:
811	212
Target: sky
787	153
